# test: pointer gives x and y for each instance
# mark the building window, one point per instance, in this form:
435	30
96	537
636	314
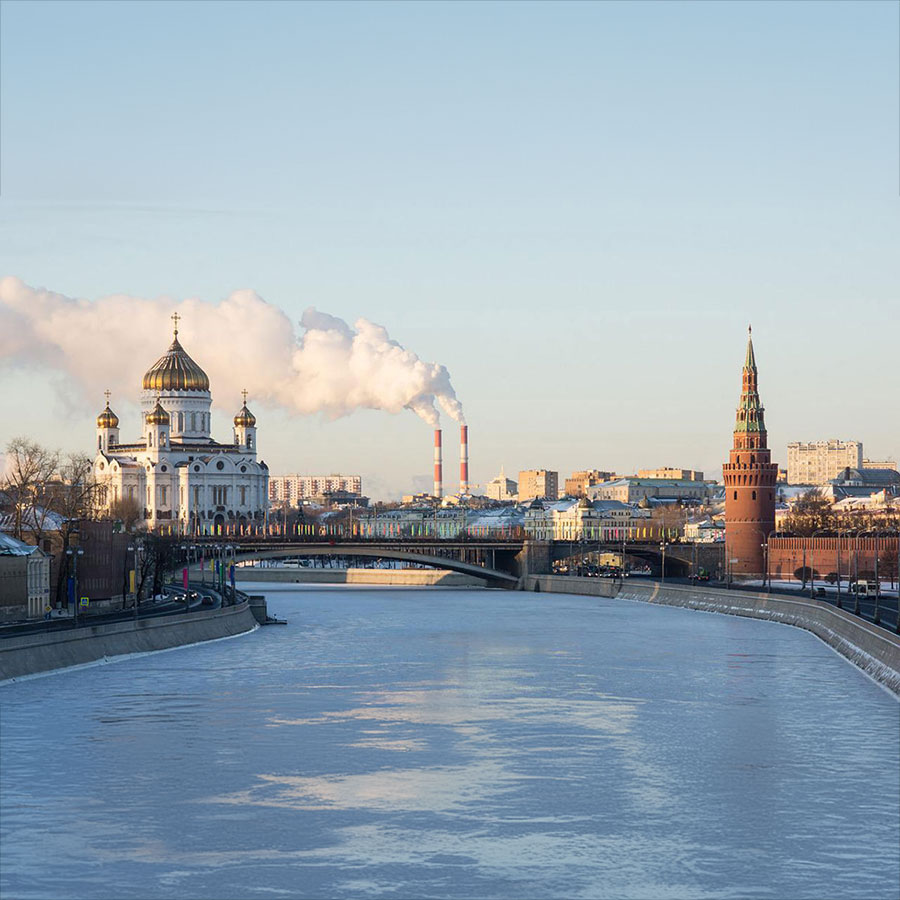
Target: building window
754	495
162	496
735	495
193	421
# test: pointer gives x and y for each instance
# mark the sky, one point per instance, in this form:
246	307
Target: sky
576	208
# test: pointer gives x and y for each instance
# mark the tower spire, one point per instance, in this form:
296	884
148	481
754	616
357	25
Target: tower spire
750	359
175	318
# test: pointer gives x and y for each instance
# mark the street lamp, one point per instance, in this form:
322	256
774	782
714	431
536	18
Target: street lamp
73	553
812	568
662	547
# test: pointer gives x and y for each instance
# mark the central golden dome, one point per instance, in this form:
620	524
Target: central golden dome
175	371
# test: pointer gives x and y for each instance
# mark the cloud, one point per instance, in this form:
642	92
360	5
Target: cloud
326	367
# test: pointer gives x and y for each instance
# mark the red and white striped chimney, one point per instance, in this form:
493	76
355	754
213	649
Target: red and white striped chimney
438	465
464	459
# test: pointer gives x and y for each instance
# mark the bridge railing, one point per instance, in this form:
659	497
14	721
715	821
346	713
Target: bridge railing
438	531
362	531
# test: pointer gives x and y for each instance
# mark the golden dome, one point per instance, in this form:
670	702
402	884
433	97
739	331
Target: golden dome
157	416
175	371
245	418
107	419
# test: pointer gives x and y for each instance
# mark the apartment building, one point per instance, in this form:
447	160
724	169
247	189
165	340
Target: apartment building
818	462
294	489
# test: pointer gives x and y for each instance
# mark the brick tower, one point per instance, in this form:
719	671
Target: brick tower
749	481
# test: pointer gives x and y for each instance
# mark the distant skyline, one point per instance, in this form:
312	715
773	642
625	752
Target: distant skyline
576	208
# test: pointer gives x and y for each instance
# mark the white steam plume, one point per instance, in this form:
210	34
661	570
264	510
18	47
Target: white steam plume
243	342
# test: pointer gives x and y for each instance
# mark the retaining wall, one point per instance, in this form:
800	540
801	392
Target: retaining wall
440	577
33	653
873	649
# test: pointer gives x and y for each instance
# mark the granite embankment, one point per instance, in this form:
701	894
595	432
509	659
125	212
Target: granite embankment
874	650
396	577
30	654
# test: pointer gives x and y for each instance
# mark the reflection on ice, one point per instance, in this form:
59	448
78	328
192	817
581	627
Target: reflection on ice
438	789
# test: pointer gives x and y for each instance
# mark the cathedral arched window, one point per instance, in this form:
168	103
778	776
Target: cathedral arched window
193	421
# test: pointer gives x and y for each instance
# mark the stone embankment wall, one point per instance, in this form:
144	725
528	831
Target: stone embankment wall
440	577
873	649
33	653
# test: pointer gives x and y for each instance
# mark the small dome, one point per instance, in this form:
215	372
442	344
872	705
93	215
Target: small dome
107	419
157	416
245	418
175	371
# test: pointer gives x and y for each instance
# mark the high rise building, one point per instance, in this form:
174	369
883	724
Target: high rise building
749	477
292	489
538	484
817	462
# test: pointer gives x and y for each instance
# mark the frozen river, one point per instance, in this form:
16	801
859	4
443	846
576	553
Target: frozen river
407	743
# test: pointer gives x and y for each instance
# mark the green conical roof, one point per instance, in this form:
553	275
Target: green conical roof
750	361
750	411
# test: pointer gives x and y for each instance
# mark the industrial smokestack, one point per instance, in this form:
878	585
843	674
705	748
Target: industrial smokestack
464	459
438	465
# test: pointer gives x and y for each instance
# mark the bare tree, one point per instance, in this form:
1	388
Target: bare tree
127	511
74	500
30	468
811	512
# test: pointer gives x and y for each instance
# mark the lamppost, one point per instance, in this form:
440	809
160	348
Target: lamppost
135	547
662	547
812	568
837	563
73	553
767	581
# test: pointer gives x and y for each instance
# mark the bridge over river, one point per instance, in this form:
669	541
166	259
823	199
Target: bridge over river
501	561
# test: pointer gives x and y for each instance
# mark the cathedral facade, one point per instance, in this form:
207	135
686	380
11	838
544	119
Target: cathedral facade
181	479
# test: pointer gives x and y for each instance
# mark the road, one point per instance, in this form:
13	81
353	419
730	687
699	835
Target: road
172	605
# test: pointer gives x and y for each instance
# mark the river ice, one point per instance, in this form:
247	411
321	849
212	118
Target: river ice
406	743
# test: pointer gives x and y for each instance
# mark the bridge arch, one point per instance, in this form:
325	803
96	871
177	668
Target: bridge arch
493	577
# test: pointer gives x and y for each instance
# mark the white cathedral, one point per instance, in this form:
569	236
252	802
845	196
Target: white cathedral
183	480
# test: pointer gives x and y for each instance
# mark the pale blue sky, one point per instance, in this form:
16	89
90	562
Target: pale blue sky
576	208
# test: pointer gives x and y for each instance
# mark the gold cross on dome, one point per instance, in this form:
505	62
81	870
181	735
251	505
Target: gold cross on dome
244	395
107	394
175	318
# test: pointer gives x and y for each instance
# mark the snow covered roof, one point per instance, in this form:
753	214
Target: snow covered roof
9	546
